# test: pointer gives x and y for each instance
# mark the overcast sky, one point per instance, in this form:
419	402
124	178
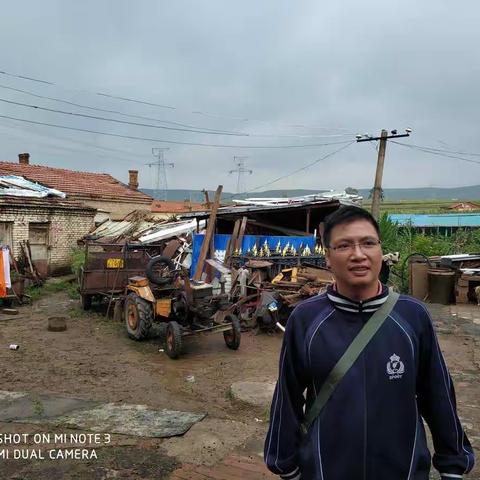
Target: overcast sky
285	73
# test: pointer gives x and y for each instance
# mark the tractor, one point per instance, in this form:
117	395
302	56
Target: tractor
183	307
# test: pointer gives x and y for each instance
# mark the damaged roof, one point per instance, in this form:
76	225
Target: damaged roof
290	219
16	186
81	184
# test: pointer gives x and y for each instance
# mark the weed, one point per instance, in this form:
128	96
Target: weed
266	414
37	292
37	407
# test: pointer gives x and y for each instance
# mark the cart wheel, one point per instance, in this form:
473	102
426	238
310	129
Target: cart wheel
173	340
232	337
138	316
86	301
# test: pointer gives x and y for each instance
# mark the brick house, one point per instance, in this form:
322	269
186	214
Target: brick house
112	198
52	225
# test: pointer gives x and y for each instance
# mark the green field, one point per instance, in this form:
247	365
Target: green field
416	206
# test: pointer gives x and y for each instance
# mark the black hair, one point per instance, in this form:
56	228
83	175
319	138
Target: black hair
346	214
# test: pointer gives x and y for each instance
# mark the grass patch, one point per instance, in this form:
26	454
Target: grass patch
37	292
37	407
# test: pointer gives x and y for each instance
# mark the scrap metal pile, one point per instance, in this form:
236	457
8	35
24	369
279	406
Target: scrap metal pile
265	274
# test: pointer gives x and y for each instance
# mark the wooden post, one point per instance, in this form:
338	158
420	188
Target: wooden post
377	188
307	228
208	234
241	233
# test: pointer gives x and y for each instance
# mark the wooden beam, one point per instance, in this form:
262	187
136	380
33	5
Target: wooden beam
231	243
208	234
241	233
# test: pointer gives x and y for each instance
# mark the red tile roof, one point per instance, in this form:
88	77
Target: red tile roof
160	206
87	184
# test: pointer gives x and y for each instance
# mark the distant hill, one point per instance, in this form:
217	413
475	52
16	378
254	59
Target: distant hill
460	193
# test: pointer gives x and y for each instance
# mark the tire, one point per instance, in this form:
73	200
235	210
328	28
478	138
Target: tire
138	315
153	275
173	340
86	301
180	310
232	337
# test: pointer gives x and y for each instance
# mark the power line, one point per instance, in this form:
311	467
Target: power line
173	142
82	143
440	150
106	110
186	127
168	107
424	150
305	167
94	117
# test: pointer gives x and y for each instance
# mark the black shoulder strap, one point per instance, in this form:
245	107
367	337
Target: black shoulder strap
348	359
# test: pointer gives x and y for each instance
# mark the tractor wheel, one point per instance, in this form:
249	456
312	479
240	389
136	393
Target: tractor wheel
180	311
159	269
232	337
138	316
173	340
86	301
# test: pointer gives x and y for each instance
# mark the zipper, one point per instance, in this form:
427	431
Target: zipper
364	420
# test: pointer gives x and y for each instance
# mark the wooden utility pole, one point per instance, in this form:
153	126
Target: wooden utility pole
208	234
377	188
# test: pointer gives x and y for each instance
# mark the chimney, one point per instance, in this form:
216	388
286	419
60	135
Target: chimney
24	158
133	179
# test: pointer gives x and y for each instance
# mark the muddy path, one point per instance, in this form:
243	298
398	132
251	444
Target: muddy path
95	360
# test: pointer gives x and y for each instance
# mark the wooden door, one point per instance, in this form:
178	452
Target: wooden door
38	238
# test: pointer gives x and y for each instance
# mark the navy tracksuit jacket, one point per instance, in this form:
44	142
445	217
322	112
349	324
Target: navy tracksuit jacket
371	428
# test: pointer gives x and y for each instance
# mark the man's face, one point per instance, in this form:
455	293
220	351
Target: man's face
355	255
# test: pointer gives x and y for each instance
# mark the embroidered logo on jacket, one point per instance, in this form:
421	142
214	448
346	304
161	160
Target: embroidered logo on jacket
395	367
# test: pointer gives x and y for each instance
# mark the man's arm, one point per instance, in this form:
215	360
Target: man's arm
286	413
436	399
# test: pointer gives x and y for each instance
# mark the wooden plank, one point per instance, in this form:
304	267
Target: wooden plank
231	243
239	241
208	234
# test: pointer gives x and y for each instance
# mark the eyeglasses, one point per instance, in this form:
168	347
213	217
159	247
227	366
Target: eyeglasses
366	245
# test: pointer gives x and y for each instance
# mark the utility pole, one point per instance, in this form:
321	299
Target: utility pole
377	188
241	170
161	173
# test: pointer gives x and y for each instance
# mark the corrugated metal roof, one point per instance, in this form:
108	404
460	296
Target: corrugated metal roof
437	220
17	186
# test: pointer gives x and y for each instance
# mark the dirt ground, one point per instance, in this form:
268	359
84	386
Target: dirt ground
94	360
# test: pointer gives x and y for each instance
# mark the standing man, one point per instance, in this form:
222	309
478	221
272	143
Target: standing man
371	427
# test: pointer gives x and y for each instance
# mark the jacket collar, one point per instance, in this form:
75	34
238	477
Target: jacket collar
347	304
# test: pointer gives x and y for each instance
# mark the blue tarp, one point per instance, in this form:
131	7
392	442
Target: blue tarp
220	243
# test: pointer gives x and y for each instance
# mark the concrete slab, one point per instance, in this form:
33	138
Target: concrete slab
136	420
209	441
257	394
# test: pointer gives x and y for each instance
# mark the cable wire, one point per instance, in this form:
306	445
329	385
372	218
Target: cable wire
132	137
305	167
94	117
169	107
106	110
439	149
425	150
